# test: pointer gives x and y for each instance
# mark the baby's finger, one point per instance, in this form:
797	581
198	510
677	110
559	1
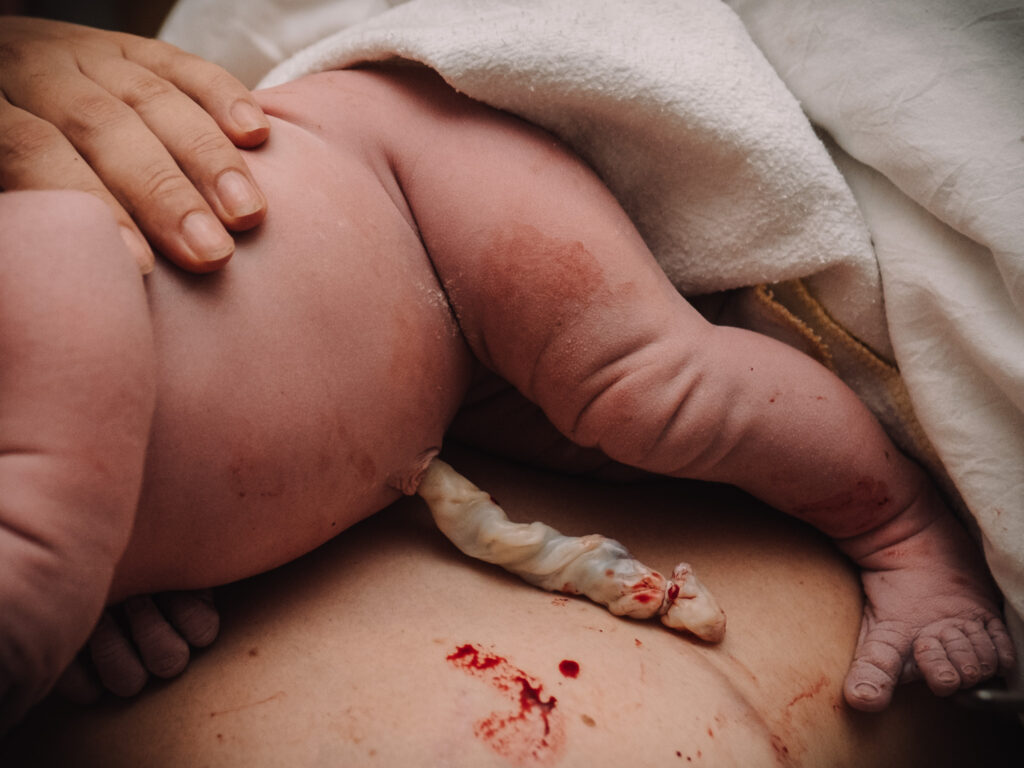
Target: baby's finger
193	614
164	653
136	168
115	661
191	137
35	155
77	685
220	94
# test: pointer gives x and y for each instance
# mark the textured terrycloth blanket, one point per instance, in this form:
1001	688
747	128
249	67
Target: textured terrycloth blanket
675	104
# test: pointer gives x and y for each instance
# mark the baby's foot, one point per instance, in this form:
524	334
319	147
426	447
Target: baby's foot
929	613
153	637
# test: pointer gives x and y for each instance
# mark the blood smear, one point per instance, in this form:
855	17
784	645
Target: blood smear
532	732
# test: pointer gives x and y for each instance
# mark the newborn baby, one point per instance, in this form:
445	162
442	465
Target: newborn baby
429	263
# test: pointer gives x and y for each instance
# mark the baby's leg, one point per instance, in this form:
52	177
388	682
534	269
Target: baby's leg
76	397
555	290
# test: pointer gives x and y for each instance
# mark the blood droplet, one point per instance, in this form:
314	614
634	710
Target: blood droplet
569	668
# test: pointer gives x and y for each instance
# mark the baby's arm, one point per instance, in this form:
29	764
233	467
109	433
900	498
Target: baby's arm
555	290
76	396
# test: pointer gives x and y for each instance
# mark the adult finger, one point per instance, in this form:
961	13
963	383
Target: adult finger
218	92
35	155
190	135
136	168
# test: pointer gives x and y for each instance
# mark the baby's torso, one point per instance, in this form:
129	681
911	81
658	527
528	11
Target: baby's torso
306	381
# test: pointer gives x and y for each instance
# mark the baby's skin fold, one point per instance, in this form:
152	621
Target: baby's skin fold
420	244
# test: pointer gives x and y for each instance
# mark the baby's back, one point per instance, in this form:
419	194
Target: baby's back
303	384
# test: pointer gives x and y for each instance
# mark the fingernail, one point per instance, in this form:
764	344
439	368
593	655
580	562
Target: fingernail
139	249
237	195
248	117
206	237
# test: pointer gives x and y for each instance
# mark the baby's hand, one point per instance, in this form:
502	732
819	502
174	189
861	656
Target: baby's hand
153	639
142	125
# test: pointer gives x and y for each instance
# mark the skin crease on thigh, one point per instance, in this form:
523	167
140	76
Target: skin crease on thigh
351	656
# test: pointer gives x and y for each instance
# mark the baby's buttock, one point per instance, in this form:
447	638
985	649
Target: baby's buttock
301	387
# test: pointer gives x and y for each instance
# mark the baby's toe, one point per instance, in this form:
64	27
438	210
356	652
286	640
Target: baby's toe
867	687
115	661
1005	651
942	657
878	663
984	648
163	651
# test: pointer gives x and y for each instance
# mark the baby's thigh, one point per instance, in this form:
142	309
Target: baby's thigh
389	647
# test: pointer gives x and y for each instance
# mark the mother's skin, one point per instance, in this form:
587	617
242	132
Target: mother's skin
341	658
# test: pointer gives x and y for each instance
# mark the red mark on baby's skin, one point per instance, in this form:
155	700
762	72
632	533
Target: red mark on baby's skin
636	641
643	597
673	593
569	668
533	732
850	512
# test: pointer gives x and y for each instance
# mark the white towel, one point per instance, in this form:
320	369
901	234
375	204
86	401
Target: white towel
670	101
928	96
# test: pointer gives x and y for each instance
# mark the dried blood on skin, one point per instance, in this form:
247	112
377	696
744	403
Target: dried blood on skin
532	732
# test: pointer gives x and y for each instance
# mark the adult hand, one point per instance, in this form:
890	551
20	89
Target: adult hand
144	126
